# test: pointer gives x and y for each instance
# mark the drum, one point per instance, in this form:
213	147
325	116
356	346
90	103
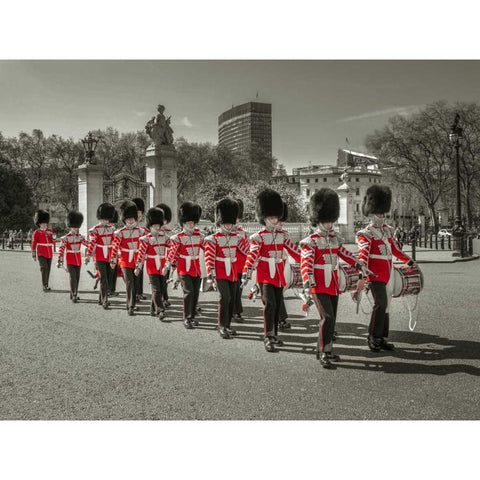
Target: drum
348	278
206	286
406	281
293	275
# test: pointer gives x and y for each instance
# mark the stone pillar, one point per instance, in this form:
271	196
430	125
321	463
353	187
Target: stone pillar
90	194
346	219
161	173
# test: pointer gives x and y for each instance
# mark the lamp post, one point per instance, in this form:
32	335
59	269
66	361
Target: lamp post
456	134
89	145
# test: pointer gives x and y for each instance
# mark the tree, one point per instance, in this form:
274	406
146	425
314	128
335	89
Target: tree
418	151
16	207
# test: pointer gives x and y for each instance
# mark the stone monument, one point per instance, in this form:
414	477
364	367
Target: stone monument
346	219
161	162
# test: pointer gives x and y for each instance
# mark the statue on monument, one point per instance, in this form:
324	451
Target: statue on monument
159	129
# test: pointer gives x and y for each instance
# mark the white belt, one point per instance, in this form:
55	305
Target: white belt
381	257
157	260
228	263
44	244
131	252
272	261
327	268
72	251
105	249
188	260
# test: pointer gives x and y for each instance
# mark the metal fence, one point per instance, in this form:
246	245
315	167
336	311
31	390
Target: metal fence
17	242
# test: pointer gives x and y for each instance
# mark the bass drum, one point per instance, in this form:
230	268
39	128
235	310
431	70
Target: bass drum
348	278
406	281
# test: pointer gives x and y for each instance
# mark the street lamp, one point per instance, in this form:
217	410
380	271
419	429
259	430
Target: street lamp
456	134
89	145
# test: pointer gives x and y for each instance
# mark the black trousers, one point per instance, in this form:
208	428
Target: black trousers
164	288
156	281
283	309
191	290
131	286
226	289
139	281
45	265
237	297
379	322
104	270
271	298
74	272
327	308
113	279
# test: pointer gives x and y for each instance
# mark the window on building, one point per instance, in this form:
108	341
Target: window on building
357	191
308	192
308	180
357	207
316	180
324	179
370	180
357	179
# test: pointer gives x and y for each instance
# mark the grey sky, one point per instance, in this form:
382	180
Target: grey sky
315	104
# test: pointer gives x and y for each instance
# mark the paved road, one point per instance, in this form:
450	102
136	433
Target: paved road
60	360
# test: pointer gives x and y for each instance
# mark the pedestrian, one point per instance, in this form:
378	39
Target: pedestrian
100	245
319	265
220	257
267	247
141	223
242	252
376	246
167	218
70	252
125	245
43	241
152	251
184	249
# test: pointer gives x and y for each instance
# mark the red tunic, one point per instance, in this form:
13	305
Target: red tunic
319	262
153	248
125	242
375	248
242	250
184	250
101	239
43	242
70	246
267	248
221	254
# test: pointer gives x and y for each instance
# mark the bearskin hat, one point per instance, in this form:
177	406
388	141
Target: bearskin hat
284	216
129	210
189	212
269	204
74	219
378	199
226	211
41	216
324	206
114	219
167	211
139	203
240	208
105	211
154	216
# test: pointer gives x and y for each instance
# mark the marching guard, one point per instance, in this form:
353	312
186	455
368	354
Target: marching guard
184	249
242	252
125	243
167	218
100	245
267	247
376	246
319	267
43	242
152	249
141	223
220	257
70	252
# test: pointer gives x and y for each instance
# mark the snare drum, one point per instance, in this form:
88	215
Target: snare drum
293	276
406	281
348	278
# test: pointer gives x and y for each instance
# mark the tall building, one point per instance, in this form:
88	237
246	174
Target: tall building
245	126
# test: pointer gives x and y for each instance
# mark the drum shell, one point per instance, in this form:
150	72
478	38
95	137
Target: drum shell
348	278
406	281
